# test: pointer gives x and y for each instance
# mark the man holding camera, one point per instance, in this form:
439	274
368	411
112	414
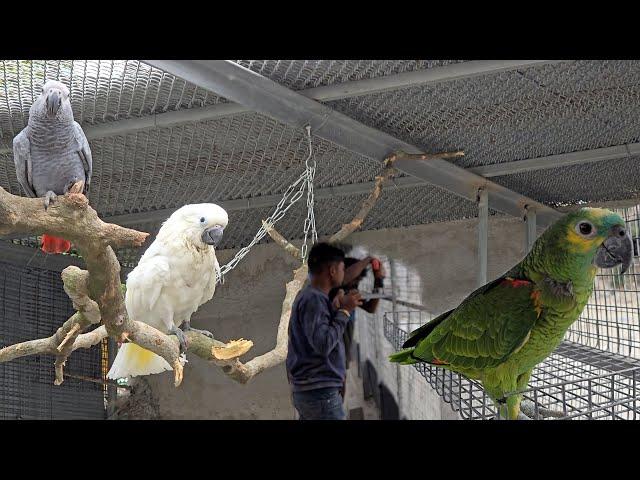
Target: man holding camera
316	351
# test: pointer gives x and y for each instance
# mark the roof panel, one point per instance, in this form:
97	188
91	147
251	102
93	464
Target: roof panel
525	113
101	91
303	74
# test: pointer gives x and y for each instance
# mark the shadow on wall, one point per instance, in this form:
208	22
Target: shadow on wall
382	396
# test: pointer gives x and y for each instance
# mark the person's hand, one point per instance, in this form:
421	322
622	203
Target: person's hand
378	268
337	299
351	300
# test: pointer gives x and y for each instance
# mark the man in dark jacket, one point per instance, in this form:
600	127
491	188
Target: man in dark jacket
316	353
354	271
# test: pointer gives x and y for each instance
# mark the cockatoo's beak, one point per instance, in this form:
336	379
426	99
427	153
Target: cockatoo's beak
213	235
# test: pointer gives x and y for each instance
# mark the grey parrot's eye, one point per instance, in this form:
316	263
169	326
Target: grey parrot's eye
585	228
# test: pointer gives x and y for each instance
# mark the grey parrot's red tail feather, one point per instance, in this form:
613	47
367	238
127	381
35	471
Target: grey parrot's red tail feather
52	244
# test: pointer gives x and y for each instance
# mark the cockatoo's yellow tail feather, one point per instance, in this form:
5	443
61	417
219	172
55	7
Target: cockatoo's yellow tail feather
133	360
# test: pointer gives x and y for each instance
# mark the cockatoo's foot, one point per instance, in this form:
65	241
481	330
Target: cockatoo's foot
184	343
529	409
49	198
186	327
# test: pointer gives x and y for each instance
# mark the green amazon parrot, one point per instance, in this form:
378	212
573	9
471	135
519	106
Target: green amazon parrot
500	332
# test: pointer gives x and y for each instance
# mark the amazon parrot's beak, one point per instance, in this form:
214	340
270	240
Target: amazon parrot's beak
617	249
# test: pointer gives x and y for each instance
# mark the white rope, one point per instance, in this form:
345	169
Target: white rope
289	198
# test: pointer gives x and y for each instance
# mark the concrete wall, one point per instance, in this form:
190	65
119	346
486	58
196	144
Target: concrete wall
442	260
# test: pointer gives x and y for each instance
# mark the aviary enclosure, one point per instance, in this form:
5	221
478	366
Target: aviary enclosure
359	153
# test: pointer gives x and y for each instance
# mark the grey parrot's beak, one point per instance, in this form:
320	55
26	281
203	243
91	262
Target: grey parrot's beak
53	103
213	235
615	250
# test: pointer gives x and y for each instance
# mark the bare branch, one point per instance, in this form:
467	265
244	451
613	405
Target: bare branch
244	372
30	347
283	242
425	156
88	340
348	228
72	334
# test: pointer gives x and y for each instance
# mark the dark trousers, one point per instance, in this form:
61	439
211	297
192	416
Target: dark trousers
319	404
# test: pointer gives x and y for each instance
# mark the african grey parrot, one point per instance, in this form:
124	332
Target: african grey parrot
52	153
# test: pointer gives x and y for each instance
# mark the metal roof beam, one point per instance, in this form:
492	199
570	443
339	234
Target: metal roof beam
265	96
555	161
265	201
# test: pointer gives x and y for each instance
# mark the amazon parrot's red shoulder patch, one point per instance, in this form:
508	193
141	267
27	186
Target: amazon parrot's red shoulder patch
512	282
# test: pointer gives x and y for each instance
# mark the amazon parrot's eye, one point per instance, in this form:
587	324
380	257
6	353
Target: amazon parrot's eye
585	228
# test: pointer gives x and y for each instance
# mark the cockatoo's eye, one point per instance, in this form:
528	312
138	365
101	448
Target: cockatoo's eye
586	229
202	219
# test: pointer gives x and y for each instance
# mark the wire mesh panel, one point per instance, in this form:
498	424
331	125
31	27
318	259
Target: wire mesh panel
611	318
523	113
588	385
302	74
33	305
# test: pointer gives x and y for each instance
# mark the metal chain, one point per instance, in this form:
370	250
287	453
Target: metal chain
292	196
310	221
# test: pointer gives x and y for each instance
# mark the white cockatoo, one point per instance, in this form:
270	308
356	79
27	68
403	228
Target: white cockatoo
174	277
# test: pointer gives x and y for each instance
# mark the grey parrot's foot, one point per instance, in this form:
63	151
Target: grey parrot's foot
49	198
74	186
186	327
529	409
184	343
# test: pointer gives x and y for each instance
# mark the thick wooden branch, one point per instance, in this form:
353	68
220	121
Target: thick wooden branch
69	217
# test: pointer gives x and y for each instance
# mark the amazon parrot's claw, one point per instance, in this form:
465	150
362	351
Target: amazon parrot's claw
529	409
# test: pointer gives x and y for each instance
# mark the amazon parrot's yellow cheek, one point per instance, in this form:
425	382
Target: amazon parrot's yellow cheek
581	244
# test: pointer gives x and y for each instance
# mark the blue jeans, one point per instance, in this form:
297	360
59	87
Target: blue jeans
319	404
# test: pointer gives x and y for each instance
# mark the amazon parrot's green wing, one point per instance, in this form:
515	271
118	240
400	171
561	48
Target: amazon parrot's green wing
488	326
483	331
422	332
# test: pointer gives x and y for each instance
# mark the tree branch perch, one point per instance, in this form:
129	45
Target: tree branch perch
97	295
